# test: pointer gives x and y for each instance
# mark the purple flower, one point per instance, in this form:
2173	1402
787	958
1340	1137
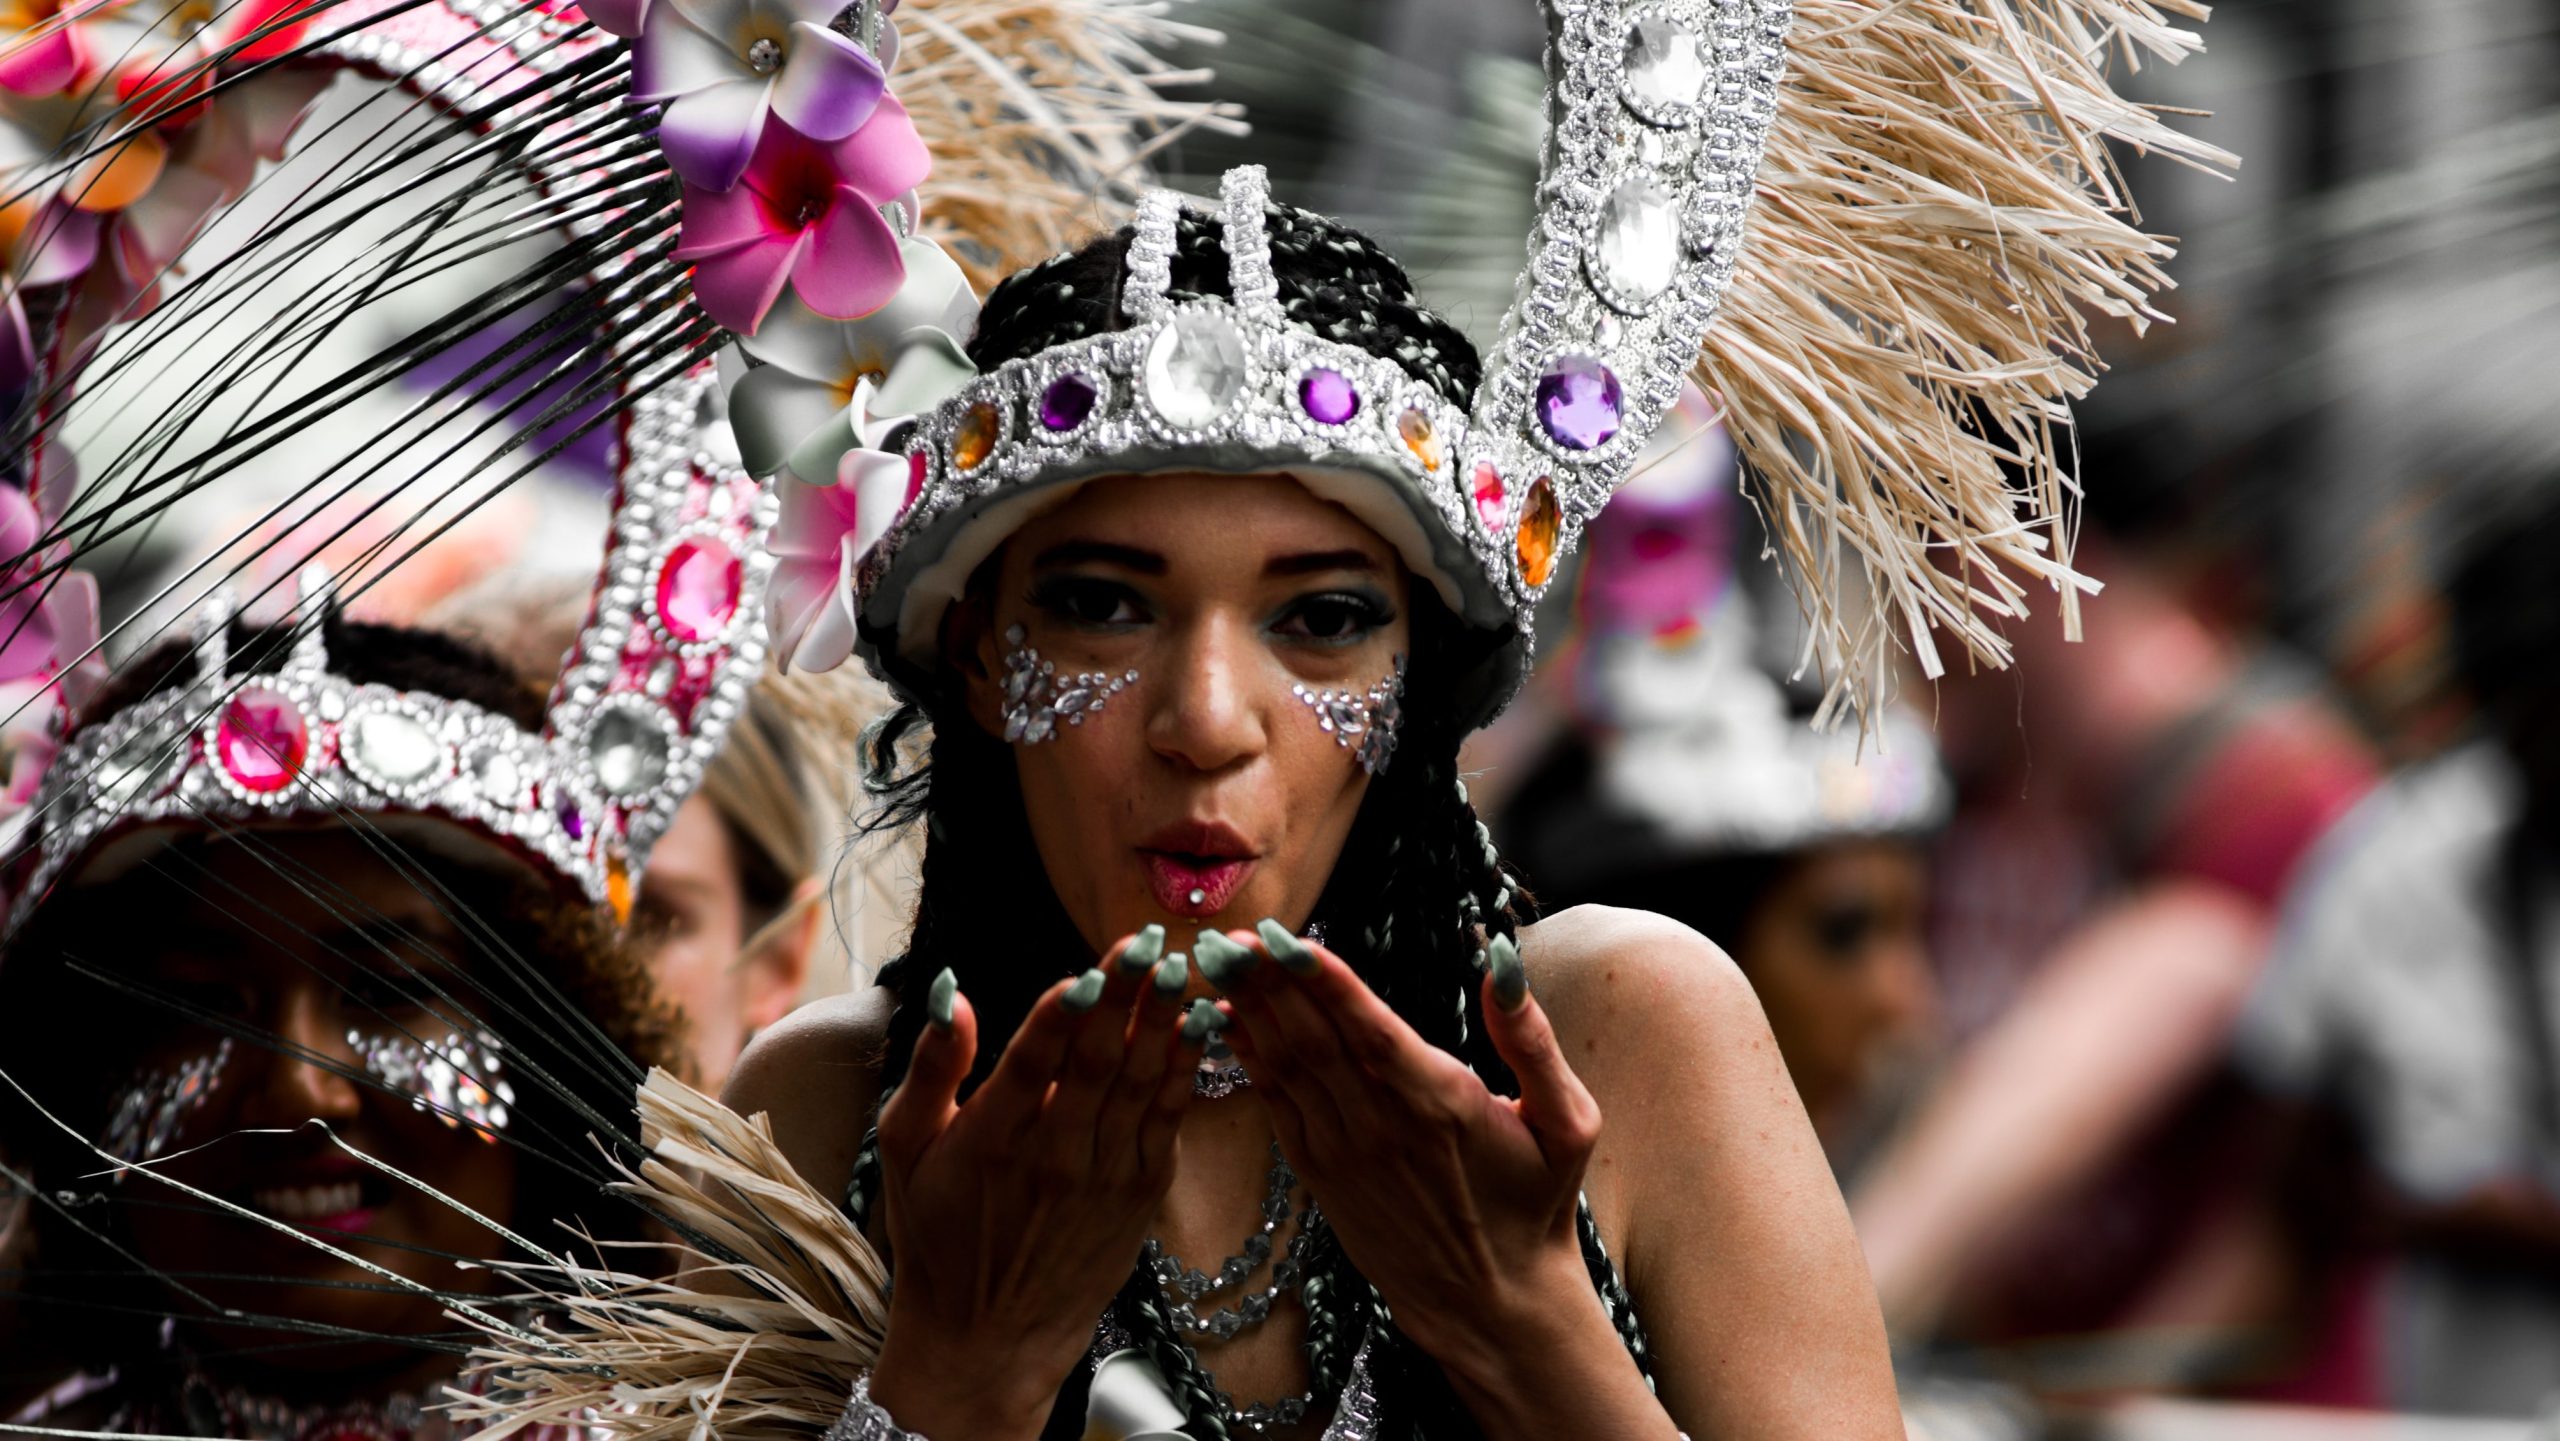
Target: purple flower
722	67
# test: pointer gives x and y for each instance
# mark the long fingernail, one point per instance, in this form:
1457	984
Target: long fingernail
1086	991
1286	948
1221	960
938	1000
1204	1018
1173	975
1510	978
1144	950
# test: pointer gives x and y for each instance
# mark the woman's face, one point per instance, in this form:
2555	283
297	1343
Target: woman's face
1836	954
235	1117
695	921
1206	793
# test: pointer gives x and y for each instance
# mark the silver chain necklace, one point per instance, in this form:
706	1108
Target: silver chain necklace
1184	1286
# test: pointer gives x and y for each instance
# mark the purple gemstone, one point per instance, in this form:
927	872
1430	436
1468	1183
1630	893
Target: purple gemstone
574	821
1578	402
1067	401
1328	396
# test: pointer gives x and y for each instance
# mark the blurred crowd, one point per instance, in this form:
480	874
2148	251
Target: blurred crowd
2180	1008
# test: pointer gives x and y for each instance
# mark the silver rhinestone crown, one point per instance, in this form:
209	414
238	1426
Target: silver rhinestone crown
674	641
1662	110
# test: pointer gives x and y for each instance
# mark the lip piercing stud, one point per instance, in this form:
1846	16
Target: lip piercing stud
1037	698
1198	897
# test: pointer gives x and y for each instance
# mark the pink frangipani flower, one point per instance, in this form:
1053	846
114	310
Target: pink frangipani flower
808	215
724	67
812	575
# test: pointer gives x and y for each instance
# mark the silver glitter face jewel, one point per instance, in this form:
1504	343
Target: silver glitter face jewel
151	1112
462	1079
1363	722
1037	700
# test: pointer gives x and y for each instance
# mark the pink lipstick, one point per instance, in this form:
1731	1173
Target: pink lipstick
1196	867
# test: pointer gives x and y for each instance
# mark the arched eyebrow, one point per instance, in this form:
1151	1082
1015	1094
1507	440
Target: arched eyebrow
1099	552
1317	561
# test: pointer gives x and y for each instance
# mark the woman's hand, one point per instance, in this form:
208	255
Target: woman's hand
1014	1218
1458	1204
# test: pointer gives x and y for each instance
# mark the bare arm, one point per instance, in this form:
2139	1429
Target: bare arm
1711	1188
2133	1009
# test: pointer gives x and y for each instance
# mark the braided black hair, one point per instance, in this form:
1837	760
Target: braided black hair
1419	890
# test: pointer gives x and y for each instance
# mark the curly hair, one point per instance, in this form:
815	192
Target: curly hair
1418	892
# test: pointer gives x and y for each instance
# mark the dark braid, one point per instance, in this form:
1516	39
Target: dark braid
1417	893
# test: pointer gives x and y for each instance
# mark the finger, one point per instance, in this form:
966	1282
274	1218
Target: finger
1288	1118
1162	1121
1094	1053
1314	986
1288	1053
1554	1103
924	1102
1011	1099
1154	1033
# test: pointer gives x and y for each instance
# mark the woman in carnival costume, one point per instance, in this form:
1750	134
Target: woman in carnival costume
321	1004
1199	558
1193	580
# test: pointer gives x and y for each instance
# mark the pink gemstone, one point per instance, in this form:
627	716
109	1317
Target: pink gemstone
1489	495
915	479
262	739
698	588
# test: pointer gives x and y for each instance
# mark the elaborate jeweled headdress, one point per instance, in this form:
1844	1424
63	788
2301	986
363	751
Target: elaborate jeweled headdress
1886	404
704	172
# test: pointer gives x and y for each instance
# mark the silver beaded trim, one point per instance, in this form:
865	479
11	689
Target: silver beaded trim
1037	700
1364	722
159	760
1699	158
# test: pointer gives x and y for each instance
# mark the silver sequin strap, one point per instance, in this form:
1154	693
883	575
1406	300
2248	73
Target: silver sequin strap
1246	190
1144	295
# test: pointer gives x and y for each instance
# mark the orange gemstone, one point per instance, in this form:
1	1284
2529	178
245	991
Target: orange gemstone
1414	428
1539	522
617	887
975	439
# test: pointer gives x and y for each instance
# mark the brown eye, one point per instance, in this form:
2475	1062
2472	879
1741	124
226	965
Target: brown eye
1087	601
1334	618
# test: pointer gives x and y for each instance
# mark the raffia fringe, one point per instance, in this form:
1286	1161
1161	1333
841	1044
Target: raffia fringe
1041	116
761	1343
1937	223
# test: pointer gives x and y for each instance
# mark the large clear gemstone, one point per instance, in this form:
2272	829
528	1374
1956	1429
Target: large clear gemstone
629	754
1666	69
494	772
393	748
139	769
1195	370
1637	253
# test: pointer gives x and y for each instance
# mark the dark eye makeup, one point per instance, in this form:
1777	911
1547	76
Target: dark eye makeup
1334	617
1088	601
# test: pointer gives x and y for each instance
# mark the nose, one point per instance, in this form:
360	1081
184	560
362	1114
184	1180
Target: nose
1205	714
1906	994
297	1088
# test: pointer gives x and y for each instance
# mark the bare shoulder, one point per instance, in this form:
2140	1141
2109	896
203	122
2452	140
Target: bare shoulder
1624	986
816	1073
1709	1185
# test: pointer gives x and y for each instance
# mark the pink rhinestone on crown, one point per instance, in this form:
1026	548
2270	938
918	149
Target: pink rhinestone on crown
262	739
698	589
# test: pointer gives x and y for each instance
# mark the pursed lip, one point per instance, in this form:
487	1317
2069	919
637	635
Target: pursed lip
1195	867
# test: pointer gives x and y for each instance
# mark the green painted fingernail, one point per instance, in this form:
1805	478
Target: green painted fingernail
938	1000
1086	991
1204	1018
1285	948
1510	978
1221	960
1144	950
1173	975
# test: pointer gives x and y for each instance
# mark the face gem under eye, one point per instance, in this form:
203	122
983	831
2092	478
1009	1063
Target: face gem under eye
157	1106
459	1078
1364	722
1037	699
